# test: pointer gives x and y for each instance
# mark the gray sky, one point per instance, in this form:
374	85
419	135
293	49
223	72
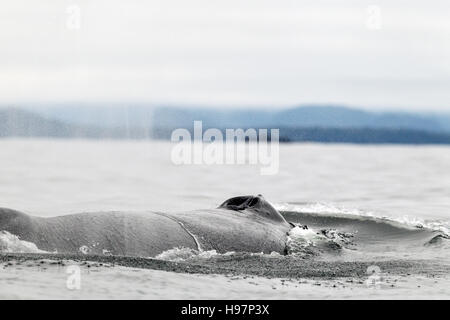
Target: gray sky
227	53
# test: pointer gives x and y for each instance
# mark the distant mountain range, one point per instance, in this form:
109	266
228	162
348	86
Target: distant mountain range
307	123
303	117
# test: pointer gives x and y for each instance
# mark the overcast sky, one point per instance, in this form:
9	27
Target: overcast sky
369	54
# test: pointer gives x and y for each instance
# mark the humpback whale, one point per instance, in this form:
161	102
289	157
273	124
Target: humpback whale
240	224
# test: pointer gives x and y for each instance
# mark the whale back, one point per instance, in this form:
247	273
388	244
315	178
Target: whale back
117	233
247	224
15	222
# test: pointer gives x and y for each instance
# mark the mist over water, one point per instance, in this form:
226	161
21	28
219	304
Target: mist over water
56	177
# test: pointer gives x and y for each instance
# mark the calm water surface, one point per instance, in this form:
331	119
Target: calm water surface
54	177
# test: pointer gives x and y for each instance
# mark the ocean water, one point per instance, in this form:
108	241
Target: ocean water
57	177
348	202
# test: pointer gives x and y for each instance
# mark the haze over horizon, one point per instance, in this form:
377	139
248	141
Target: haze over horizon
218	54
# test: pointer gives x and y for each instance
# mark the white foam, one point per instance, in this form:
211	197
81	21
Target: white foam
182	254
10	243
318	207
303	236
330	209
441	226
300	239
84	249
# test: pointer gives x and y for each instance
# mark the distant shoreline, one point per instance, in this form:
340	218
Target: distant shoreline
403	129
363	139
